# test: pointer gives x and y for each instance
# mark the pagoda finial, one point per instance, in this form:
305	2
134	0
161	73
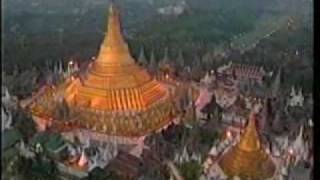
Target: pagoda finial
142	58
250	138
114	49
276	84
153	63
180	59
114	28
197	60
165	59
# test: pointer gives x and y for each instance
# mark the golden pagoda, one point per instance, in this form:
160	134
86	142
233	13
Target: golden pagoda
115	95
114	82
248	158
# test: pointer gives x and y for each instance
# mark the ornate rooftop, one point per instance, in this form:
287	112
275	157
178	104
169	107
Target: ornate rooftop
248	158
114	95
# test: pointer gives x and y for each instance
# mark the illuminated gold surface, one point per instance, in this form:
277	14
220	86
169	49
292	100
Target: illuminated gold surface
114	82
250	139
248	158
115	96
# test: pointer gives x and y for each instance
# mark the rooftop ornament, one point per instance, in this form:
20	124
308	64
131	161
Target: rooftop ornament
291	152
83	160
71	63
229	134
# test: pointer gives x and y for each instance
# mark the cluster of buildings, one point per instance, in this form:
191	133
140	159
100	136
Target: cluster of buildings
113	103
112	100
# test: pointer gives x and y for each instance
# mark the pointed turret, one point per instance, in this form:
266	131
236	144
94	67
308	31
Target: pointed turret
206	59
153	63
165	60
196	68
293	92
55	68
196	61
248	159
142	58
276	84
180	60
264	115
60	69
298	144
114	49
83	160
250	138
300	92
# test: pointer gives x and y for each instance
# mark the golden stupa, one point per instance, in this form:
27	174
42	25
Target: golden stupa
114	82
116	96
248	158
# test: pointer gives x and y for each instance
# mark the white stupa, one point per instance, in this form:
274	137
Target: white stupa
6	119
83	160
213	151
185	155
207	79
300	147
296	99
310	122
298	144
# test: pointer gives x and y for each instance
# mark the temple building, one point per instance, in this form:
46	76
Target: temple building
242	156
248	157
113	96
244	72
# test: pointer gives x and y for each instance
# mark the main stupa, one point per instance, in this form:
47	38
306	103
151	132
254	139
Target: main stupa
113	96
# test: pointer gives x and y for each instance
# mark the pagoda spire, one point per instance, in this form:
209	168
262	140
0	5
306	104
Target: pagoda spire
206	58
263	122
153	63
60	69
293	91
142	58
250	138
276	84
55	68
197	61
165	59
180	59
248	158
114	49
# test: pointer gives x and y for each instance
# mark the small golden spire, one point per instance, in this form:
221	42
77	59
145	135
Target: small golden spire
114	49
250	141
114	36
248	159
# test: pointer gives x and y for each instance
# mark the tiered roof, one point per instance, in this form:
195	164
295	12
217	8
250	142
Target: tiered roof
247	70
114	81
114	96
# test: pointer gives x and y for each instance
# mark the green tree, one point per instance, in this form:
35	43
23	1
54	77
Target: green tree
24	124
43	169
191	170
